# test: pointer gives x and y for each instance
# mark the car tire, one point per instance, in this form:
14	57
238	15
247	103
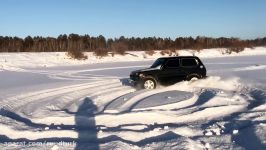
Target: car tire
193	77
149	83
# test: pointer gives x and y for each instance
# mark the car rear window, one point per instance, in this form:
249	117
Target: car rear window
189	62
172	63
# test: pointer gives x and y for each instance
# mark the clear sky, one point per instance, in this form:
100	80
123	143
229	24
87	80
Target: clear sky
138	18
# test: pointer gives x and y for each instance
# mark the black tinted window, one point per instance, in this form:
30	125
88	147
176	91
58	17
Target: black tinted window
188	62
172	63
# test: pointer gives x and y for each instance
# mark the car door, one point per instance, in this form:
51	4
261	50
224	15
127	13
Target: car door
171	71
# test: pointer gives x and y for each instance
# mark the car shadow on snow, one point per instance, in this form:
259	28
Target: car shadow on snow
86	126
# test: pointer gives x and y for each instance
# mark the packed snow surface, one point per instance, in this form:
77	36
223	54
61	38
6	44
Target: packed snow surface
49	101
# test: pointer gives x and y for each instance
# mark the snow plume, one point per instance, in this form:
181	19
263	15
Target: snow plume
216	82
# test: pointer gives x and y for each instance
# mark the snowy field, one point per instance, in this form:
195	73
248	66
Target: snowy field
51	102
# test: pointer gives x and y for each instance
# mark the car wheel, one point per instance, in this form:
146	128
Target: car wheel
149	84
193	77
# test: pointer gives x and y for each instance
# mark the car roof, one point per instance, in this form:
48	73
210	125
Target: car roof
179	57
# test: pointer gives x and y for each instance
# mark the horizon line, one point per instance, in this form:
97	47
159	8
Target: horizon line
128	37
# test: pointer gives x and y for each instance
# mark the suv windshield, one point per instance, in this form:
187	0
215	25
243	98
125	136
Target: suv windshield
158	63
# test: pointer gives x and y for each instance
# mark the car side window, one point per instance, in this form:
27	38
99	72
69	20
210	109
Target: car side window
189	62
172	63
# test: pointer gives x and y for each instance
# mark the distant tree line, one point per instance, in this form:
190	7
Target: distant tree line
101	46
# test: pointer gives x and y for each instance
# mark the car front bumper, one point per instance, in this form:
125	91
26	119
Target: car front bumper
132	82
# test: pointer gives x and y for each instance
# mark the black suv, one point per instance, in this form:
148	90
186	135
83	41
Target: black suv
169	70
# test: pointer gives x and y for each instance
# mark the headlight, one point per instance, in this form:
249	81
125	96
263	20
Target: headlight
141	75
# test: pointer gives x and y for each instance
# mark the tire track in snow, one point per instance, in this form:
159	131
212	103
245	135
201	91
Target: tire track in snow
14	102
104	91
67	98
195	114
